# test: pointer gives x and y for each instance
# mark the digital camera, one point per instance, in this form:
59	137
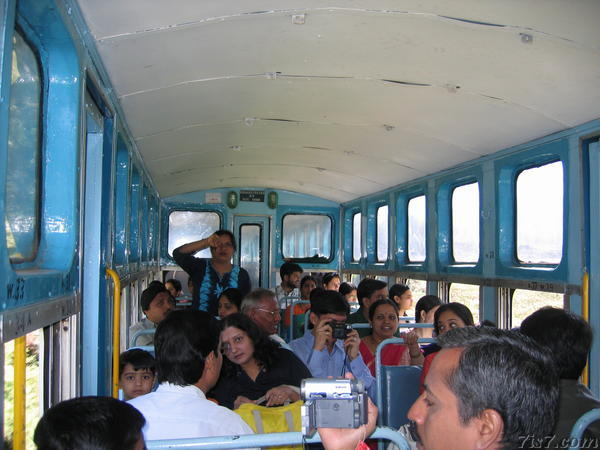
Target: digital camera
332	403
340	330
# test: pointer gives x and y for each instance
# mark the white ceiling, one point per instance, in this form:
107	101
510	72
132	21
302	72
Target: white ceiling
363	96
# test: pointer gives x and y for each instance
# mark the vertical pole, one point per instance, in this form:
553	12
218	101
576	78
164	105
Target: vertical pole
19	386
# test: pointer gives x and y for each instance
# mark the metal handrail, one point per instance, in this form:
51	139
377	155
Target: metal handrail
116	330
265	440
378	378
582	423
139	333
19	394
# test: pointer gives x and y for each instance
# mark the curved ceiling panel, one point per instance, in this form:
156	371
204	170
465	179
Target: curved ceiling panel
344	99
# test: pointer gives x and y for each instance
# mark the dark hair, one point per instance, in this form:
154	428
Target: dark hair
138	358
329	302
265	349
234	295
378	303
398	289
182	341
568	336
366	288
176	284
507	372
329	276
425	303
457	308
346	288
96	423
148	294
288	268
227	233
306	278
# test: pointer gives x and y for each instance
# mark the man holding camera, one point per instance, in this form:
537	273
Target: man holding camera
331	348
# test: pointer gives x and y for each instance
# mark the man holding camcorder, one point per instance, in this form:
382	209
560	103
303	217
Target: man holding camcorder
331	348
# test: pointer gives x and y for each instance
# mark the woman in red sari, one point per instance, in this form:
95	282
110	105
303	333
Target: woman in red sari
383	316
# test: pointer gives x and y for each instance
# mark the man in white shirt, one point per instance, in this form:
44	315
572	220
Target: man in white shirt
288	291
156	302
187	368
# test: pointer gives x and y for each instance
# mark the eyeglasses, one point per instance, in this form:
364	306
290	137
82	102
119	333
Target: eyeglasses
224	244
273	313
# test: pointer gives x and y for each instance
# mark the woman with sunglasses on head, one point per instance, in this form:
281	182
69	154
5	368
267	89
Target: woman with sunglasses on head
255	369
212	276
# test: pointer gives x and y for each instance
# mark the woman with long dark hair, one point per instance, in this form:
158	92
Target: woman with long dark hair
255	368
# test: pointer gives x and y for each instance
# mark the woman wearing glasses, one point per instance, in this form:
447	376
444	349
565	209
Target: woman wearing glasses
212	276
255	369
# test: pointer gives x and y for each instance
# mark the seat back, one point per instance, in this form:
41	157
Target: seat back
400	389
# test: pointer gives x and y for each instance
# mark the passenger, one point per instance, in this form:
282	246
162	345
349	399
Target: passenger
174	287
230	302
260	305
307	284
487	389
402	295
569	338
188	366
349	292
383	316
324	355
137	372
156	302
331	282
424	313
446	318
287	291
212	276
256	369
369	291
100	423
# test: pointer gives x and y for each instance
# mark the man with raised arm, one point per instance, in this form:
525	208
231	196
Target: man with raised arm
210	277
324	354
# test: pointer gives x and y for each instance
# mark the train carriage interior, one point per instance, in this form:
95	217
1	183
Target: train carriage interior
450	146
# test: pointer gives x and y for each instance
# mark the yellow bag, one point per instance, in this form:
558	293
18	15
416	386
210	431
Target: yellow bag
277	419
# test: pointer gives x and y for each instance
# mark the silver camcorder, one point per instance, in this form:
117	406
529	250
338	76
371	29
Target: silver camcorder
332	403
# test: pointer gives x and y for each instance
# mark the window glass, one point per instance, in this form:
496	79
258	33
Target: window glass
190	226
23	171
134	225
34	370
356	236
307	236
468	295
382	233
121	194
418	289
465	223
539	193
525	302
145	224
250	252
416	229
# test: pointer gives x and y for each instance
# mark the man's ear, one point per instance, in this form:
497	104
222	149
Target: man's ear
314	319
490	428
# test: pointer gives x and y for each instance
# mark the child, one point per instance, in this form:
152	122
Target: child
137	372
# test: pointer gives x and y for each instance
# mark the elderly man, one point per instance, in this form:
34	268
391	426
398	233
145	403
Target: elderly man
261	306
488	389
